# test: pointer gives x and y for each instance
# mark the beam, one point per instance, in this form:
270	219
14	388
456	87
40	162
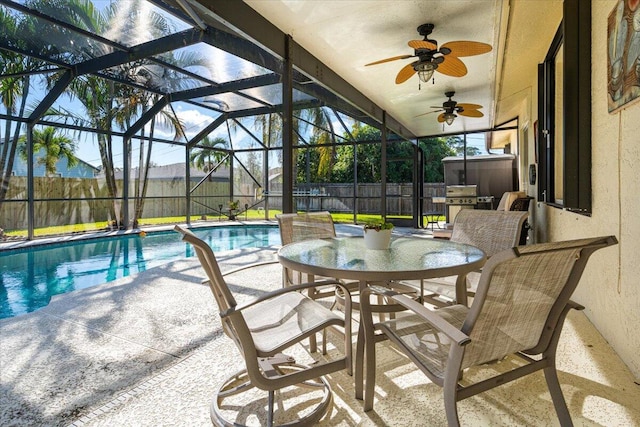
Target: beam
250	82
155	47
336	102
207	130
60	86
250	24
274	109
146	117
233	86
287	129
141	51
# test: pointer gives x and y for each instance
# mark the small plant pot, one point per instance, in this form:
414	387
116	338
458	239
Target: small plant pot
377	239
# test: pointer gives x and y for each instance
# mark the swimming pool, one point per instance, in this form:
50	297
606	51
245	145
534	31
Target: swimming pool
30	276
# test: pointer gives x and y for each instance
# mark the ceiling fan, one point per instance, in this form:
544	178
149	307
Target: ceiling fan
444	60
450	110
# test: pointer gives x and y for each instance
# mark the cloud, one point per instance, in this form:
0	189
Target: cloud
192	119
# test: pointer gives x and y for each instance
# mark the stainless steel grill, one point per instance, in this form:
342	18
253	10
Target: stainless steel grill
462	195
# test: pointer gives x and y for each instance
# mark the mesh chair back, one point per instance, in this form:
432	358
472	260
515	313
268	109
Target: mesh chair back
223	296
520	297
297	227
521	204
491	231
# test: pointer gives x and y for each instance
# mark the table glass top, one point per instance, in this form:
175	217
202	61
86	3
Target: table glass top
406	254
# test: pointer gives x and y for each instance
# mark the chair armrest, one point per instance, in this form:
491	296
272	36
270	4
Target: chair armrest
283	291
575	305
430	316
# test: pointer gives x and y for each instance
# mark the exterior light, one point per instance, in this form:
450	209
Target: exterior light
449	118
425	71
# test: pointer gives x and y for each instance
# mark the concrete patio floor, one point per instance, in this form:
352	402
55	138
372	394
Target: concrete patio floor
148	350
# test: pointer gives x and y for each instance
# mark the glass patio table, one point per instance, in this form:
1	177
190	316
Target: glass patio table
408	258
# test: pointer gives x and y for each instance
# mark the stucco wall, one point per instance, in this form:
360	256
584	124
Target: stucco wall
610	287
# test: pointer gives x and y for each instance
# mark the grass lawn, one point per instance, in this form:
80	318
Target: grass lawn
252	214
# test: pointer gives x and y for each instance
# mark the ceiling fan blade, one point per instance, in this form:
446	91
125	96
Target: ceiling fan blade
394	58
452	66
468	106
405	73
467	48
471	113
422	44
424	114
441	118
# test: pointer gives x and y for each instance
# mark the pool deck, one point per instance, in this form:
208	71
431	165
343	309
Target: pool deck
148	350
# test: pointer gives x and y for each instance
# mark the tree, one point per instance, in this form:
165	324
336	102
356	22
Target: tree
206	157
457	144
108	104
52	146
14	88
369	158
435	149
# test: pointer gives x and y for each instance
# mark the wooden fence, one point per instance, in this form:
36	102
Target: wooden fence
65	201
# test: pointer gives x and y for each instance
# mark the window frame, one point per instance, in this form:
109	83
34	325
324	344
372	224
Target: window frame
574	37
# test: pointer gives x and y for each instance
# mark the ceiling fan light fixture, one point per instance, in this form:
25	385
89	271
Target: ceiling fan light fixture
425	71
449	118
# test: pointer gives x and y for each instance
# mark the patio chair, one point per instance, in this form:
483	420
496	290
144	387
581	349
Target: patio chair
491	231
262	330
432	217
519	309
298	227
522	204
508	198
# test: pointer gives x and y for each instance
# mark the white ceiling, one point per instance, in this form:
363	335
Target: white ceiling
347	34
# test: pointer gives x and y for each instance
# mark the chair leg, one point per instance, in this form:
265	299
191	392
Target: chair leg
451	401
270	410
358	380
313	343
551	376
370	378
381	316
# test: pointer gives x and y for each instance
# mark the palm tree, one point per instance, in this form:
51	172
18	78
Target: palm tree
54	146
108	104
207	157
14	90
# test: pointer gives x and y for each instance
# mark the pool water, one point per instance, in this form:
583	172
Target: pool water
30	276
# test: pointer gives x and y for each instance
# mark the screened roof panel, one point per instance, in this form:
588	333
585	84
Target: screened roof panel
154	76
193	118
229	102
247	137
219	134
257	125
84	101
215	64
272	94
40	38
127	22
34	92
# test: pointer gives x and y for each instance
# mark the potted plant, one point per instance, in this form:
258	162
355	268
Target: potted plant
377	234
233	206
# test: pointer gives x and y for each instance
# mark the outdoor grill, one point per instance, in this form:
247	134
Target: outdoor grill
460	197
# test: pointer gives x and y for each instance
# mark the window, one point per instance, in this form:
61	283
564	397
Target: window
564	113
